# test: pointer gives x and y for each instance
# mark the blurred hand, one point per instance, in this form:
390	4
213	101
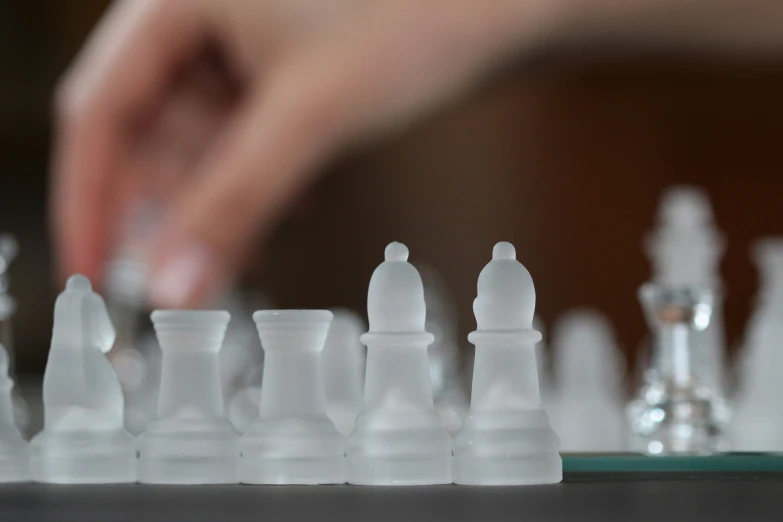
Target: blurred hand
222	110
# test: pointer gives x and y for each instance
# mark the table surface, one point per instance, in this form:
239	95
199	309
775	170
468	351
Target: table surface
582	497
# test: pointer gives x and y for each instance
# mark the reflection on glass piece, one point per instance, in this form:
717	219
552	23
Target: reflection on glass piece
674	411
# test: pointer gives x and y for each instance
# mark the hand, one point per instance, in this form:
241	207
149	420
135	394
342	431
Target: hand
221	111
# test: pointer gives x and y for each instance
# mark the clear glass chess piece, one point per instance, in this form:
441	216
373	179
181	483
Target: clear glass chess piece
83	440
685	250
674	412
190	442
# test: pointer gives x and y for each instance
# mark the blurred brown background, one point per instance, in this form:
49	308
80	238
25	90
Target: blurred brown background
565	155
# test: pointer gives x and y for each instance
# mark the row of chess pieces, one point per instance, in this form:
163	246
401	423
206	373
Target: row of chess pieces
398	437
583	396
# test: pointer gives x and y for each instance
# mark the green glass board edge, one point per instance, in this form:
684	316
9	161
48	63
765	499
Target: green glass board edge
631	462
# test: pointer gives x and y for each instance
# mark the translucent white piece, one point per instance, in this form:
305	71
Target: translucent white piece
399	438
343	363
756	424
588	415
243	408
83	440
293	441
190	442
13	448
545	385
506	438
448	387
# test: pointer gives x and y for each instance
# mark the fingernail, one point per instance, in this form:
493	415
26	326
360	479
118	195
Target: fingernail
185	274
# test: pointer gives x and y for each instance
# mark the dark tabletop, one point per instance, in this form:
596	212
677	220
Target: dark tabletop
582	497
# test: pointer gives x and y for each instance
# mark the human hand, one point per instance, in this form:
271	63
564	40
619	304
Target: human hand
222	110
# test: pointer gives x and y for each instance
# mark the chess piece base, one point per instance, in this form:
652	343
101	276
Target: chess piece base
308	471
404	457
498	471
293	451
189	471
506	448
14	466
399	471
83	457
189	451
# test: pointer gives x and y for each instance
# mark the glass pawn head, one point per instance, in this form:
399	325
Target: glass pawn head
506	295
395	300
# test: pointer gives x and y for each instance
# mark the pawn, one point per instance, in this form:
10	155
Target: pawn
13	448
191	442
83	440
293	441
506	438
754	427
399	438
588	412
342	364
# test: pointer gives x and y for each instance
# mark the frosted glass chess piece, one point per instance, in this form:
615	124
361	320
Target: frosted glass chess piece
588	369
244	382
9	249
241	354
685	251
190	442
399	438
343	364
293	441
755	425
448	389
674	412
83	440
13	448
506	438
546	385
244	405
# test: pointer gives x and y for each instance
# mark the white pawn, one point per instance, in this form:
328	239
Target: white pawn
83	440
756	425
293	441
399	438
588	413
13	448
343	364
191	442
506	438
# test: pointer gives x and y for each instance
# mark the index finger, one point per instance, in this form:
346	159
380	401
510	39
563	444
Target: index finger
123	69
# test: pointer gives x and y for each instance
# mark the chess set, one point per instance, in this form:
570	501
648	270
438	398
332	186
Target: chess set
397	438
314	406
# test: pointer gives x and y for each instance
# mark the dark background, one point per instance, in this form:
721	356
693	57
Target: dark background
565	155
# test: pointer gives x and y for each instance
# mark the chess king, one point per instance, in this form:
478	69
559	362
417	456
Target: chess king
83	440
